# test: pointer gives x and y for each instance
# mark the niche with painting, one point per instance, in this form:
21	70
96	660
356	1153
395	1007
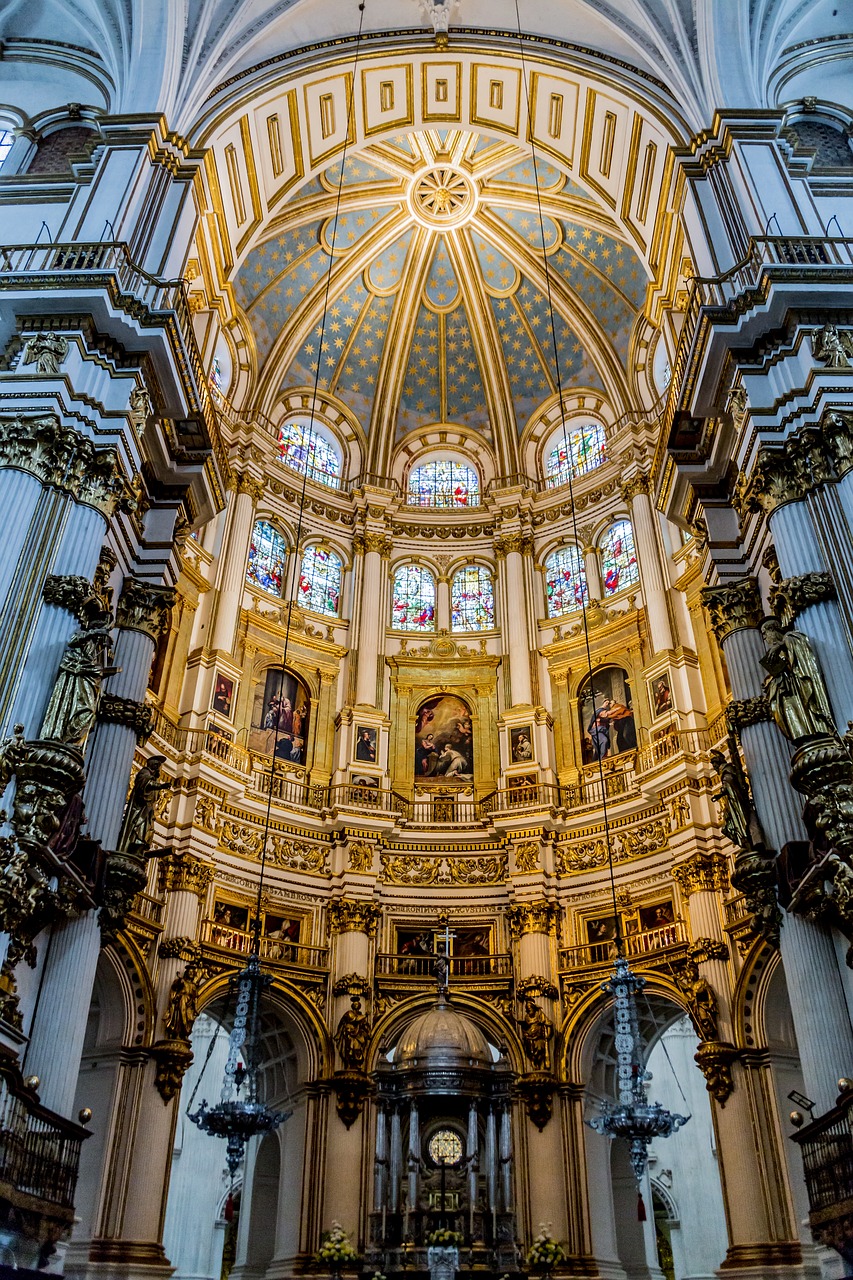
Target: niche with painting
606	713
280	717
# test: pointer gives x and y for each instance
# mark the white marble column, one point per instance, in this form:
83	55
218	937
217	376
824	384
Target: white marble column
235	549
19	497
644	520
442	604
376	549
514	611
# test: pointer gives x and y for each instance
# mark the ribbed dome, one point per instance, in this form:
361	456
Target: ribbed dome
443	1037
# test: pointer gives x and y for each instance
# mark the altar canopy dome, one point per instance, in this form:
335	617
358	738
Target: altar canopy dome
443	1037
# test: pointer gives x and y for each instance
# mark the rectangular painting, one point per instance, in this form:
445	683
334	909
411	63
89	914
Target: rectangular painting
656	916
365	744
414	942
660	694
470	942
282	933
223	694
601	929
444	746
365	788
230	916
521	744
280	717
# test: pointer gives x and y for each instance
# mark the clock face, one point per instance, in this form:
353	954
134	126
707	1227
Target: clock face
445	1147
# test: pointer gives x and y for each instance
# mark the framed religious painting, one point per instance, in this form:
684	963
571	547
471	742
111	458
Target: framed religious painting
366	743
444	747
280	717
606	715
660	694
223	694
521	744
365	788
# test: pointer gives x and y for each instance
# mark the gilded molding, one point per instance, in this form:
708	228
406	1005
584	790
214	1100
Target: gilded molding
143	606
137	716
182	872
413	869
362	543
527	856
743	712
505	543
733	607
532	917
639	484
702	873
249	485
66	591
794	595
360	856
64	459
352	915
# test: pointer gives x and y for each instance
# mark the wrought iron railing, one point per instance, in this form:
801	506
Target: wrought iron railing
39	1150
635	945
827	1149
397	966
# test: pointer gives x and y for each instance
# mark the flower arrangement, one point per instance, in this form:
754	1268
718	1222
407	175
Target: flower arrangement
335	1248
545	1252
444	1238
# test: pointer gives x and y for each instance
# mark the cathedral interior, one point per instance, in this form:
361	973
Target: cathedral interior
426	639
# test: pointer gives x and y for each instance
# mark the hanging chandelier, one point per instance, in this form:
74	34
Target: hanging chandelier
240	1115
634	1118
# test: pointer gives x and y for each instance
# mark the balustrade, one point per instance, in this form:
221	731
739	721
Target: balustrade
634	945
275	950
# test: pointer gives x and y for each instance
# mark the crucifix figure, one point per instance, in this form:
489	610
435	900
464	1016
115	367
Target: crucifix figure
442	961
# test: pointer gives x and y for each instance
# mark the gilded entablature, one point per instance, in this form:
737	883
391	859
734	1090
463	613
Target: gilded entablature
284	851
626	844
417	869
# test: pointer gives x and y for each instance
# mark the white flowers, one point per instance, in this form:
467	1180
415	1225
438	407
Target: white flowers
545	1252
336	1247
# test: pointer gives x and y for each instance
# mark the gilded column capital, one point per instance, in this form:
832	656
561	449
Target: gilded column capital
352	915
532	917
794	595
248	484
64	459
733	607
143	606
66	591
638	484
182	872
743	712
701	873
506	543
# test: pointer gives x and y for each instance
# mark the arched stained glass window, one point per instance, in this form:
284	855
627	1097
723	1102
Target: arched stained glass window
6	140
413	608
443	483
472	599
267	556
302	447
320	581
565	581
573	453
619	568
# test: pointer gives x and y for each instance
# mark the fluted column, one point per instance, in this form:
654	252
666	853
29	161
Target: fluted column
442	604
824	1033
247	493
395	1162
139	616
533	925
592	567
643	519
511	548
19	498
413	1161
375	549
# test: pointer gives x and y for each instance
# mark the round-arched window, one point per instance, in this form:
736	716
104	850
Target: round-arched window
445	1147
565	581
267	556
443	483
574	452
413	607
305	449
320	581
472	599
619	568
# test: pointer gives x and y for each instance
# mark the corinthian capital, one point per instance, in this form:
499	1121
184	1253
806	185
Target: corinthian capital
143	607
638	484
505	543
248	484
353	915
64	459
736	607
532	917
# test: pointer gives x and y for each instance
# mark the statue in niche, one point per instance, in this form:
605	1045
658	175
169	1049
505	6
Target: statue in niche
137	828
794	685
740	821
536	1032
182	1009
46	351
76	692
352	1036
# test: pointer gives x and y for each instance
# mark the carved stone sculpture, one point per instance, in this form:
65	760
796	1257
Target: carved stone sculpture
140	409
700	999
352	1036
46	351
74	700
182	1009
794	685
740	822
137	828
536	1032
829	346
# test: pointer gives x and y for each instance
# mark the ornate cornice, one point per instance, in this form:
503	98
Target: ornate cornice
505	543
64	459
182	872
637	485
702	873
743	712
734	607
532	917
351	915
793	595
137	716
143	606
66	591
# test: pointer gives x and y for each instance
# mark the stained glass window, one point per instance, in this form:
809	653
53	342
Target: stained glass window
303	448
619	568
413	608
574	453
443	484
216	375
266	558
6	140
565	581
320	581
472	599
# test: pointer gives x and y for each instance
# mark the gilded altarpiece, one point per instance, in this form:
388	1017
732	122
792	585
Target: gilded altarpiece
424	672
